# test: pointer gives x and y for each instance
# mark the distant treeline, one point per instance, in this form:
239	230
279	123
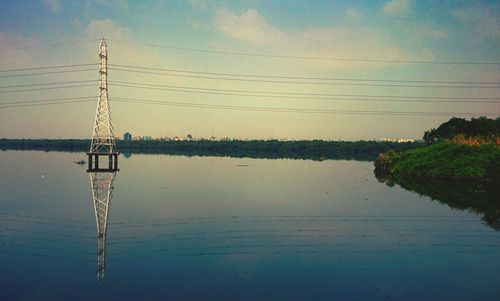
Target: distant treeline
301	149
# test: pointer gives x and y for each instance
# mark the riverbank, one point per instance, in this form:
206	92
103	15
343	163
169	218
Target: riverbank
460	175
444	161
273	149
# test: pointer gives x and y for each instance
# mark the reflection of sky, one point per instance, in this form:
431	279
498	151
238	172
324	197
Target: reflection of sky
394	30
205	227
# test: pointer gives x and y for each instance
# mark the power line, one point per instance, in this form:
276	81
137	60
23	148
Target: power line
48	67
44	100
292	110
307	82
359	60
48	72
47	88
305	78
48	84
43	104
46	45
314	94
269	94
250	108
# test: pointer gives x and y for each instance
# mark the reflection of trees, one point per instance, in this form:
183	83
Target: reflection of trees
476	197
102	184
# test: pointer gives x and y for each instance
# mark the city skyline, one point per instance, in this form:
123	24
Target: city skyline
182	137
396	49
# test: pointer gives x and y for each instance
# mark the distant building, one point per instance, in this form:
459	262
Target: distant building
127	136
398	140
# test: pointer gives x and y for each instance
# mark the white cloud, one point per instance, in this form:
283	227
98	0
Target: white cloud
347	41
431	31
199	4
354	42
121	4
485	20
353	15
250	27
116	34
200	25
398	8
16	58
106	28
53	5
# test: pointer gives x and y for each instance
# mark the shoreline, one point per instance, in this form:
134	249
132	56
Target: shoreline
273	149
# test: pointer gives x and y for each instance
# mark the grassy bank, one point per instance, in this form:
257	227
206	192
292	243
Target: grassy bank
447	161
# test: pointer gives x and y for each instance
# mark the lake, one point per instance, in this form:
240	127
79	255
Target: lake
212	228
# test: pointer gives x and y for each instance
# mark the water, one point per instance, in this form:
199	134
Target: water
203	228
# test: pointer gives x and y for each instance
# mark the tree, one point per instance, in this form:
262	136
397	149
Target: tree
481	127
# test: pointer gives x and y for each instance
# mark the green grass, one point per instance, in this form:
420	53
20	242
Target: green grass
444	161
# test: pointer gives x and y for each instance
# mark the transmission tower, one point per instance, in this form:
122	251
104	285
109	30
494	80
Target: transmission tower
103	139
102	185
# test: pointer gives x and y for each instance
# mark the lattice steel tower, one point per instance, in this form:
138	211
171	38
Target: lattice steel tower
102	185
103	139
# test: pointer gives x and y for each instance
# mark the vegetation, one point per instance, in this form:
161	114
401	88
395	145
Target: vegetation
443	161
460	166
305	149
458	150
482	128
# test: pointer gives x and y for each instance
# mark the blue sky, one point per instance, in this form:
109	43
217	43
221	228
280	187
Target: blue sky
435	31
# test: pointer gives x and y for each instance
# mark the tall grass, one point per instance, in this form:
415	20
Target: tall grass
475	141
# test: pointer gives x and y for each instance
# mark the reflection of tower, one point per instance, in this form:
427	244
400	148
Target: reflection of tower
102	192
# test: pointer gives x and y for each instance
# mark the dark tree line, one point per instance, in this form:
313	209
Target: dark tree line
304	149
481	127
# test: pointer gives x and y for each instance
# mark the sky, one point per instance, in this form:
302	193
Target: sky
324	67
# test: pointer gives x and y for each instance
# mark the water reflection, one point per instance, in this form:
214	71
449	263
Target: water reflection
207	228
102	184
475	197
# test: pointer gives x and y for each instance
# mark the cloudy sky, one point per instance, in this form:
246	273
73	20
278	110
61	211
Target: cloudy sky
325	68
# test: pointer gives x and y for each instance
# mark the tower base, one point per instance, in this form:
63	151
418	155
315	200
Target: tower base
93	162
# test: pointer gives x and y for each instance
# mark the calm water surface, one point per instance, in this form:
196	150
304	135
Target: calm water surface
206	228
